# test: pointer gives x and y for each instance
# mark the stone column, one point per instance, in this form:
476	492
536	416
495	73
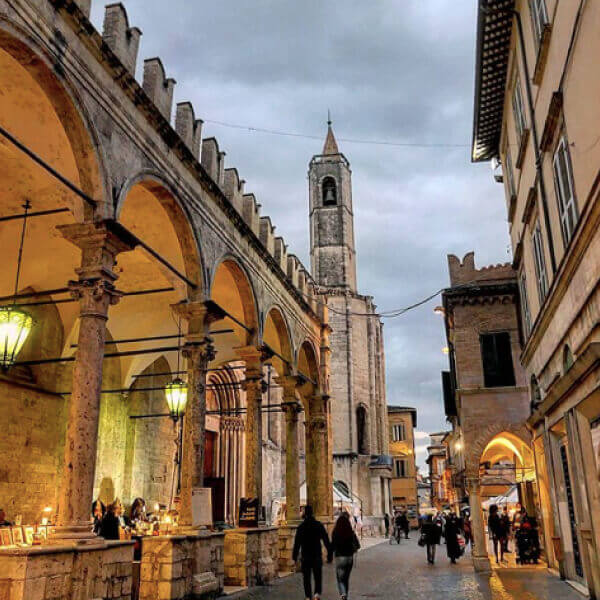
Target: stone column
320	493
95	291
199	351
253	385
481	561
291	408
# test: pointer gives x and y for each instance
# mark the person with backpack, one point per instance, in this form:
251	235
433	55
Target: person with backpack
307	545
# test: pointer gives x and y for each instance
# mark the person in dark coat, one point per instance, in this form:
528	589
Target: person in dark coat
109	528
404	525
451	532
345	544
431	535
498	532
307	545
386	522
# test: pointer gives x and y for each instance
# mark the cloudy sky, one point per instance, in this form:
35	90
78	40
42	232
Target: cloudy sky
390	71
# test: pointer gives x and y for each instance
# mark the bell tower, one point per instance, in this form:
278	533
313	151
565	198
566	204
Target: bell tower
332	250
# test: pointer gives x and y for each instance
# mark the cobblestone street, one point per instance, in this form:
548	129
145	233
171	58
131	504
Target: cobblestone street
401	573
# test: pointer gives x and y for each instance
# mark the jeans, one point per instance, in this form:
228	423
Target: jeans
343	567
314	567
431	553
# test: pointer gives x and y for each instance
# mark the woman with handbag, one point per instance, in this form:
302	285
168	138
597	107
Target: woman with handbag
345	544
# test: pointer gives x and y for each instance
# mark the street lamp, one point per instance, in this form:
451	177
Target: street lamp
176	394
15	324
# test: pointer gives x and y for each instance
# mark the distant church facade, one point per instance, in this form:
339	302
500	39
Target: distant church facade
361	465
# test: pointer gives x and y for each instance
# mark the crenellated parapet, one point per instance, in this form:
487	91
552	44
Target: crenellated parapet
293	268
267	234
465	272
210	157
251	212
188	127
158	87
280	253
233	188
122	39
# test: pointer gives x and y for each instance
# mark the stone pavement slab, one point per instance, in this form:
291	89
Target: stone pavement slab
387	572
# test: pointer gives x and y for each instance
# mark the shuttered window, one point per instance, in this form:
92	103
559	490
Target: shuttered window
518	110
540	262
526	313
565	192
496	355
539	17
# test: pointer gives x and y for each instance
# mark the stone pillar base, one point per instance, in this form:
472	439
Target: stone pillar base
180	567
67	572
287	533
482	564
251	556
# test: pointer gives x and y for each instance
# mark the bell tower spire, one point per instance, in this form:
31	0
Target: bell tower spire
332	251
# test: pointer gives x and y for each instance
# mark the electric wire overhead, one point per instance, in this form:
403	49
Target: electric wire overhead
252	129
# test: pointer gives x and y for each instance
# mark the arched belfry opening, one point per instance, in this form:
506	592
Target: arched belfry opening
329	191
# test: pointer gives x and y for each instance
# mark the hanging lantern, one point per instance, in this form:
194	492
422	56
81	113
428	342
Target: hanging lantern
15	327
176	393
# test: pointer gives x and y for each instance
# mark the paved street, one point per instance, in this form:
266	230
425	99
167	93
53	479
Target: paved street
400	572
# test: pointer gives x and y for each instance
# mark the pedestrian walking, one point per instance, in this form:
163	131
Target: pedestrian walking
451	532
345	544
430	537
467	529
497	531
307	545
506	523
404	525
386	522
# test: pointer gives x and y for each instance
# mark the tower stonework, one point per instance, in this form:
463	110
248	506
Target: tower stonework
361	465
333	254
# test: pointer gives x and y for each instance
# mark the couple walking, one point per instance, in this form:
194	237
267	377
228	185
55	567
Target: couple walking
344	543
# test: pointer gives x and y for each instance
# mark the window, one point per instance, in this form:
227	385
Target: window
563	181
329	191
510	176
399	432
518	110
496	355
539	17
540	262
400	467
361	426
525	304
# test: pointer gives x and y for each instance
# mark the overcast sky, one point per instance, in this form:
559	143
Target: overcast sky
389	70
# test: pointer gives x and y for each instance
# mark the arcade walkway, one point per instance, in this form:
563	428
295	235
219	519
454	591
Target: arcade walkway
401	573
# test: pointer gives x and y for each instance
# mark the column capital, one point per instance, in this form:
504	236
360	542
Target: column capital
473	483
253	356
289	383
100	243
199	314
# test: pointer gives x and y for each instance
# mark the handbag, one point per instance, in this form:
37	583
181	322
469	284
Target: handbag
461	543
422	539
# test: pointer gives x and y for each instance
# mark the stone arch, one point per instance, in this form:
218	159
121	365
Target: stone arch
329	191
477	448
233	290
89	168
179	217
276	334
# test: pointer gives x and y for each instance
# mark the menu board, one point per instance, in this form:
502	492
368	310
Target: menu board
248	512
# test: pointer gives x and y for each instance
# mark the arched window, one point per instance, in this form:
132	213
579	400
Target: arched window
361	427
567	358
329	191
536	395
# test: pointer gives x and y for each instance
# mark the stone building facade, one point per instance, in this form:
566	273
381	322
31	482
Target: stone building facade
402	422
486	400
534	78
144	262
361	464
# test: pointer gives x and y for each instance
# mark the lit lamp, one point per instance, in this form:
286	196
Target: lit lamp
15	324
15	327
176	393
439	310
446	350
